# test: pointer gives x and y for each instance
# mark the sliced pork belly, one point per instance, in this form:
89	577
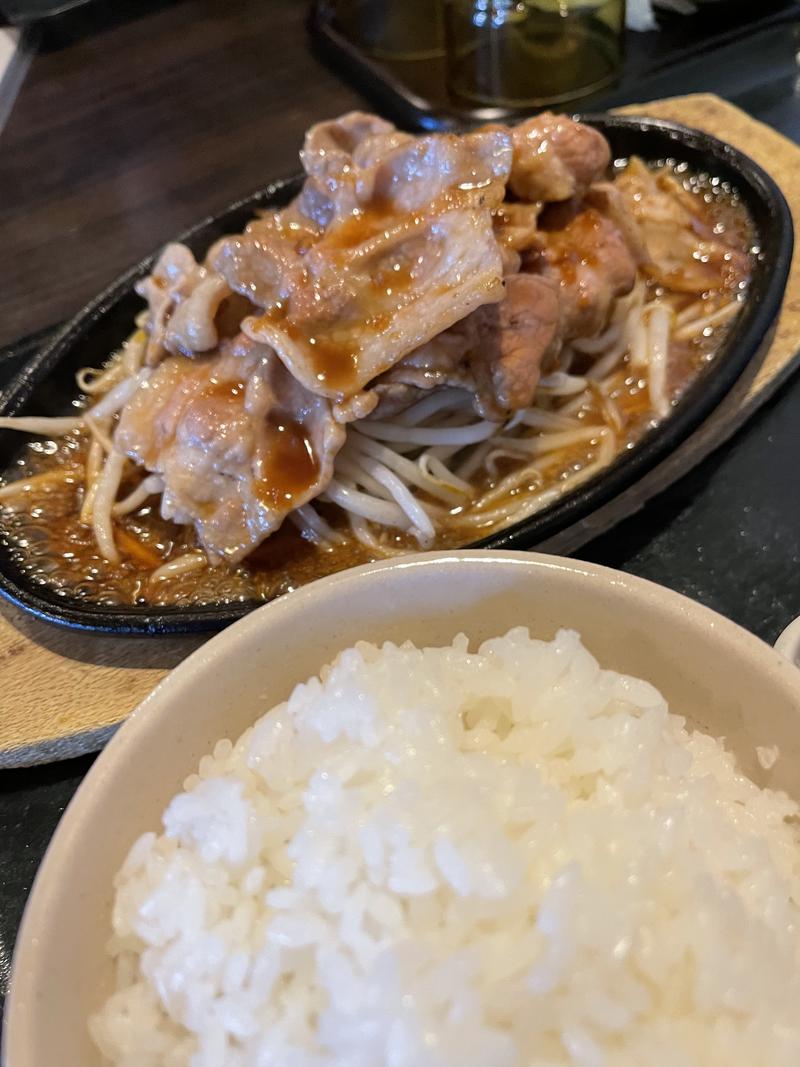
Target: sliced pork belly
442	361
416	255
516	225
338	157
578	260
237	441
370	304
390	243
263	264
497	353
384	278
439	363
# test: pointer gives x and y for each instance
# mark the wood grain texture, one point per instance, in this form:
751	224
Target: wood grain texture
124	137
62	692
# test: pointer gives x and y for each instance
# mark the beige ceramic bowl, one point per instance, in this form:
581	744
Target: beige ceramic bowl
723	679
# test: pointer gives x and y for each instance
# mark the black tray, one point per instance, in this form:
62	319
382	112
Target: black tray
46	384
414	92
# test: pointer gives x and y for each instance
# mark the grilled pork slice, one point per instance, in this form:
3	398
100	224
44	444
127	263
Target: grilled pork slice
238	442
555	158
183	300
339	159
580	257
513	341
589	257
403	249
497	353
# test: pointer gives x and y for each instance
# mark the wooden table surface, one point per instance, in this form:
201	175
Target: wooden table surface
102	161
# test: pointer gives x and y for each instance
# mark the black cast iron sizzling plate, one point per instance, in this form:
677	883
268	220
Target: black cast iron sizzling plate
47	384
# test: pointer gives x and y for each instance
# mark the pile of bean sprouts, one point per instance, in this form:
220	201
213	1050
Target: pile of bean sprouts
415	472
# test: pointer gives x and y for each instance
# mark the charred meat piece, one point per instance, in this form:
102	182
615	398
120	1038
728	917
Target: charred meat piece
237	441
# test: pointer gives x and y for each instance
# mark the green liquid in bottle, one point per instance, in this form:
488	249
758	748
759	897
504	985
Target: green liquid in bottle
523	54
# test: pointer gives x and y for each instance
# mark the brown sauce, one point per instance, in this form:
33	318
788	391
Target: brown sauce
333	354
333	362
56	551
371	220
293	467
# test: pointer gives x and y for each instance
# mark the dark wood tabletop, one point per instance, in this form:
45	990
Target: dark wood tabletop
125	133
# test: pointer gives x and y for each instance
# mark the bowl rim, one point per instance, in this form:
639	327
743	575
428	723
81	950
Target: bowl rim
20	1018
695	406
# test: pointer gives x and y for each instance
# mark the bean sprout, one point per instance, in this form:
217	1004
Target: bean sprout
104	497
313	526
561	384
696	327
151	486
195	560
658	327
380	511
428	435
44	426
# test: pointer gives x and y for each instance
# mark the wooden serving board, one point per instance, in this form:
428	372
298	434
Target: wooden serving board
62	692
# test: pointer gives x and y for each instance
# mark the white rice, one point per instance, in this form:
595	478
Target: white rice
441	858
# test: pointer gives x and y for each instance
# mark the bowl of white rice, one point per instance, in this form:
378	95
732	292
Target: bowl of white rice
473	809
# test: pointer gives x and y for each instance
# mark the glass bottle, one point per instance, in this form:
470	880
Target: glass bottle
531	53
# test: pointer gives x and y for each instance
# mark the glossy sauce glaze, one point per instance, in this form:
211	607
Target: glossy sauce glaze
384	254
333	361
55	549
290	466
287	467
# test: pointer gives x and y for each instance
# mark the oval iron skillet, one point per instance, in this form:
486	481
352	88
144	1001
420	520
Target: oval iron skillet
47	384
